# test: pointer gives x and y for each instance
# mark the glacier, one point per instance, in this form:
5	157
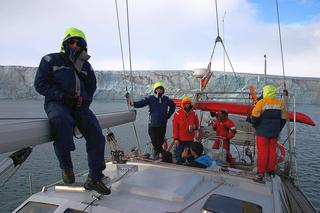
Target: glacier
17	83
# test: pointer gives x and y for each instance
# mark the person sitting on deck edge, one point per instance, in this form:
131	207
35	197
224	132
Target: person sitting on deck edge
194	156
161	108
68	82
268	118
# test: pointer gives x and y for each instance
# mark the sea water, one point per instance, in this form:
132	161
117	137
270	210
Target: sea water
42	166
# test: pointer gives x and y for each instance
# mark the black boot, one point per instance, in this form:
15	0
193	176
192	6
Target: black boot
259	178
68	176
272	173
97	186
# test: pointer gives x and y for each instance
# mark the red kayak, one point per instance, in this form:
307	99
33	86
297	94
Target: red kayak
242	109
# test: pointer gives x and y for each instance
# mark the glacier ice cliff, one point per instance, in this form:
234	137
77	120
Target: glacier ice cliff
17	83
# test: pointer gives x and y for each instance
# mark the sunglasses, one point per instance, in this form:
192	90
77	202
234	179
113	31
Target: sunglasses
76	42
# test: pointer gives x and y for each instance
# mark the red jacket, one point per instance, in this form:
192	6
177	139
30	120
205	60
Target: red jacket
226	128
181	122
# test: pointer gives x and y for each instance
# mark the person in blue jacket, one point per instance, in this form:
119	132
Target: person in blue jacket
68	82
194	156
161	108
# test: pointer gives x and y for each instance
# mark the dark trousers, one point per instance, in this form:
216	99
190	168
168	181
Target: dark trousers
62	121
179	149
157	135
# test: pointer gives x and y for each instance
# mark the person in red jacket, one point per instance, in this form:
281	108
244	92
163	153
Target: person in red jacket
184	124
225	128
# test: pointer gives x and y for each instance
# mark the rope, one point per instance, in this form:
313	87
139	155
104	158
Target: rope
95	198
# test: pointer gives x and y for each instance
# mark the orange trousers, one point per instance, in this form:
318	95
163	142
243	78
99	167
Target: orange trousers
267	154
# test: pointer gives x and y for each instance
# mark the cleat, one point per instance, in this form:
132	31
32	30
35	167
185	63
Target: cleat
68	176
97	186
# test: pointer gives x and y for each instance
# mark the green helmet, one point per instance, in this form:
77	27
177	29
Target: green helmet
156	85
269	91
72	32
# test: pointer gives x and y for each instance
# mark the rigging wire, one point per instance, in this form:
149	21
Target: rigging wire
129	46
217	18
130	63
120	40
285	95
219	39
281	46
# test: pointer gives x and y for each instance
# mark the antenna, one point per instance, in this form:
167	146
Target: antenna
265	69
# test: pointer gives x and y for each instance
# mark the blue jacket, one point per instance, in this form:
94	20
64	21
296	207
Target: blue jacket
56	77
205	160
158	109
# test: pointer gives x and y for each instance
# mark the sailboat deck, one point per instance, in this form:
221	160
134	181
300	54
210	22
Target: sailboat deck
163	187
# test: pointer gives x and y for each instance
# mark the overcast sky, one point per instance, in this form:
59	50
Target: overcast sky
168	34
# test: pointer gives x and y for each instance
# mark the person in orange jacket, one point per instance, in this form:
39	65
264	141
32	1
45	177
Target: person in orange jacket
185	122
226	129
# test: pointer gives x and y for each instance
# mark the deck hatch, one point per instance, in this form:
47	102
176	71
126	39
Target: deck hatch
165	184
38	207
220	203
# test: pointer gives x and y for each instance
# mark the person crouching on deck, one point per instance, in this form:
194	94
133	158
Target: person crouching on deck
226	129
161	108
184	124
194	156
268	118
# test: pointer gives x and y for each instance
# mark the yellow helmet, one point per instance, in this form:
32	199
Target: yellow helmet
156	85
185	100
269	91
72	32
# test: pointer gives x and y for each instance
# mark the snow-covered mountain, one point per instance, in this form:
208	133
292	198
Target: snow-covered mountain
17	83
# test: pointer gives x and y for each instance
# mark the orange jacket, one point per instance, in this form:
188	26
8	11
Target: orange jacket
181	122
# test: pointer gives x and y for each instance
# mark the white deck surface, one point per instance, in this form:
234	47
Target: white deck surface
164	188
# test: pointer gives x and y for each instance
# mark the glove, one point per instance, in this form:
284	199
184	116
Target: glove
71	101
